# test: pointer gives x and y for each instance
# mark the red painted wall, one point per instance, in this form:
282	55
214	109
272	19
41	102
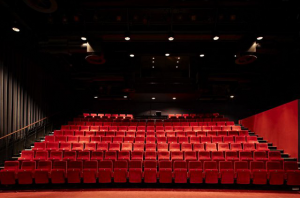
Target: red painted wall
278	125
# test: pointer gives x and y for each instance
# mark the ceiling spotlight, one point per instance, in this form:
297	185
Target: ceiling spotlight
83	38
259	38
16	29
202	55
153	58
232	96
178	58
127	38
216	38
171	38
153	98
177	61
95	96
235	55
84	44
167	54
131	55
153	67
125	96
176	67
152	61
174	98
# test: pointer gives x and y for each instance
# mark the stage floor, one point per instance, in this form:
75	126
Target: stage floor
153	193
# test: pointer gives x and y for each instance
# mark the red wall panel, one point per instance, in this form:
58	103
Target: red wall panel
278	125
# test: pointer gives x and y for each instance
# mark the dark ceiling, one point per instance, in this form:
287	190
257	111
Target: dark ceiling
272	78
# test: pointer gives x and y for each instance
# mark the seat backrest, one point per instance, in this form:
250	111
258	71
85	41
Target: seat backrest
179	164
273	165
121	164
60	165
106	164
257	165
165	164
240	165
135	164
225	165
274	155
150	164
11	165
246	154
262	154
91	164
195	165
45	165
290	165
209	165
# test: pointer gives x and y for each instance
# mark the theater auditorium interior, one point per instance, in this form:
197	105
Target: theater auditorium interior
132	98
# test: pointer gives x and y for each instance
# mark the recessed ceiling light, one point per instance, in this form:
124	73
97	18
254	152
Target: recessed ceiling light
125	96
131	55
235	55
153	67
171	38
83	38
16	29
216	38
167	54
153	62
153	58
84	44
232	96
177	61
202	55
174	98
153	98
259	38
178	58
95	96
127	38
176	66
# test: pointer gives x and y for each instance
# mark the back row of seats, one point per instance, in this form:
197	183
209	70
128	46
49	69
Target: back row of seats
150	171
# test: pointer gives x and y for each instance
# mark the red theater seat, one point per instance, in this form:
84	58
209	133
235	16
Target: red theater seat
74	171
150	171
240	139
128	139
186	147
97	155
137	155
195	172
120	171
205	139
42	173
61	139
114	147
217	139
259	173
198	147
246	156
249	146
163	155
223	147
135	171
105	171
90	171
243	174
180	172
39	146
58	172
139	146
211	174
231	156
260	156
41	156
204	156
236	147
211	147
275	173
8	175
252	139
162	147
26	156
226	172
165	171
83	156
292	173
195	140
174	147
176	155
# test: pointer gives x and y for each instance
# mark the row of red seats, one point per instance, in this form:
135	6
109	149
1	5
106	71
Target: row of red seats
152	139
150	134
206	115
151	146
150	171
113	119
107	115
152	154
150	125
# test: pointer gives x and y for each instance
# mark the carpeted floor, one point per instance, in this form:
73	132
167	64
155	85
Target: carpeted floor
153	193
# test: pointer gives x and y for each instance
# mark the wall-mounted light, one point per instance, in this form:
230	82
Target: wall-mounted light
131	55
216	38
167	54
202	55
95	96
125	96
232	96
259	38
174	98
83	38
153	98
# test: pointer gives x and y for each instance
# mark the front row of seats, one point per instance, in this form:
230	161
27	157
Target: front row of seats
147	171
